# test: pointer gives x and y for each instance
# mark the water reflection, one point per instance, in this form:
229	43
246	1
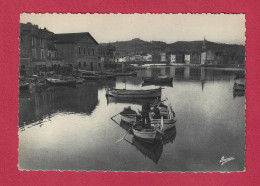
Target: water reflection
209	120
35	106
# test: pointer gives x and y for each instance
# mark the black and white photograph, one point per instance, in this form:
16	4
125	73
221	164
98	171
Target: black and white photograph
132	92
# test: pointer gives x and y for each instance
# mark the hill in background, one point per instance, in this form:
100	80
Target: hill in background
138	46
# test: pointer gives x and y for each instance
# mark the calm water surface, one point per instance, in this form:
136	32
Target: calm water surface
70	128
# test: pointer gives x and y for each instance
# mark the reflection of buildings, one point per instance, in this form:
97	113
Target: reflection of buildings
37	105
190	73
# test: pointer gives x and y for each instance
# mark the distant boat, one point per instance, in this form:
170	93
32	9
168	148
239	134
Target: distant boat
92	77
162	84
24	85
124	93
61	81
79	80
239	85
125	73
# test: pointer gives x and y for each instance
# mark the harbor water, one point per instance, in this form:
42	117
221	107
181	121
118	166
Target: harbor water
69	128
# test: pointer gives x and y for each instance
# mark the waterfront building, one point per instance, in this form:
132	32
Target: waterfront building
179	57
187	58
172	58
108	54
147	57
78	50
163	57
218	55
37	50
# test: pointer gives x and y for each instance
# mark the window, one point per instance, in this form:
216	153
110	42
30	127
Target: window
84	51
33	41
42	53
79	49
34	53
55	54
42	42
49	53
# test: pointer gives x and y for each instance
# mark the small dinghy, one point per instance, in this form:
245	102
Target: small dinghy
128	115
146	135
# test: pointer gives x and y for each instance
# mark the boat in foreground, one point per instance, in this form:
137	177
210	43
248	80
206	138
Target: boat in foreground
124	93
166	122
146	135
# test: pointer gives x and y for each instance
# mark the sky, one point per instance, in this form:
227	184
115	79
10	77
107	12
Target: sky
169	28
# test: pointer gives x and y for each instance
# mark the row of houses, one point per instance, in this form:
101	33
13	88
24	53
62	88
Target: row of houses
203	55
43	50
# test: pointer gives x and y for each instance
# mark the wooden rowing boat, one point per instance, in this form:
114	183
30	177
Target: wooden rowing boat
124	93
167	121
128	115
146	135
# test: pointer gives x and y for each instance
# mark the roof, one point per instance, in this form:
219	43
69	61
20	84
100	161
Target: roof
72	37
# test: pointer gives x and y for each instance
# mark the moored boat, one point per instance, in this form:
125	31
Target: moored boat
24	85
128	115
124	93
125	73
61	81
166	122
239	85
146	135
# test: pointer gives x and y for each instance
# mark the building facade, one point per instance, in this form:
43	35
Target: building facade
37	49
78	50
107	54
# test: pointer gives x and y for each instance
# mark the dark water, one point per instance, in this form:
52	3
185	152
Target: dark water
70	128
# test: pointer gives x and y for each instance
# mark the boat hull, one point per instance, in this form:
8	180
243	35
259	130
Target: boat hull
146	135
167	123
130	119
121	93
